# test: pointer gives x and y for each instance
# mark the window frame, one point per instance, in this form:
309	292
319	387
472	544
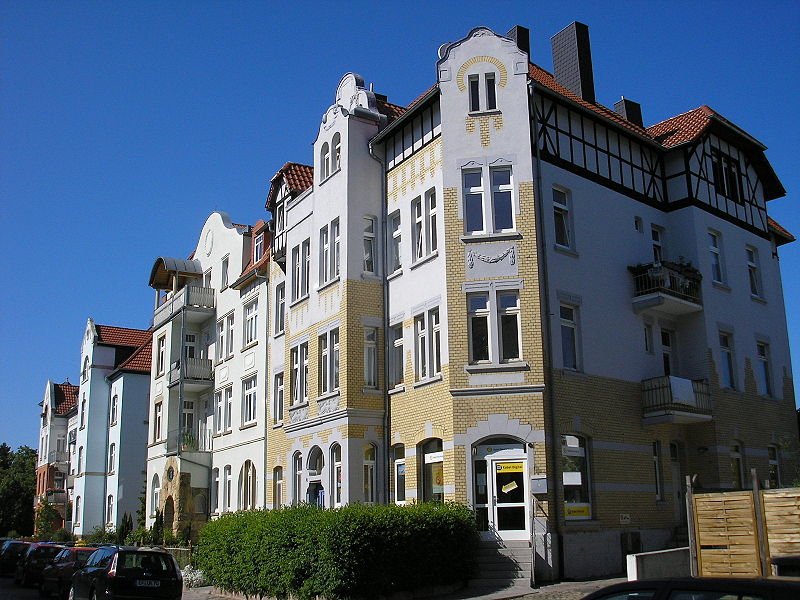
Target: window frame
498	189
470	194
764	369
582	450
396	356
369	473
370	263
562	215
299	379
249	414
727	355
328	362
572	324
774	460
658	470
158	416
399	460
250	333
161	353
754	272
280	308
258	247
395	242
336	474
225	275
277	487
112	452
278	398
371	376
737	457
717	261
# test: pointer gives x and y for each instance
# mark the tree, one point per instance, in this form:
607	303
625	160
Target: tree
17	488
47	518
141	513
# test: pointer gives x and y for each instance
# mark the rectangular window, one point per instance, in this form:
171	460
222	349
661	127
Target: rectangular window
431	236
508	317
369	245
427	350
478	314
753	272
224	283
220	348
335	241
277	399
648	338
226	489
667	351
280	307
727	177
727	362
299	358
737	466
569	336
219	412
112	451
249	400
715	251
306	257
329	362
418	231
473	202
161	360
251	322
258	248
763	372
421	363
396	355
297	273
659	482
400	475
156	423
561	217
657	237
491	92
474	94
371	357
502	206
395	249
229	337
436	341
423	219
575	478
324	256
215	491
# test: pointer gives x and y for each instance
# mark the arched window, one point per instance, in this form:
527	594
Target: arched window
77	518
399	473
324	162
112	452
369	473
110	510
432	470
315	462
576	478
297	476
113	410
200	504
85	370
337	152
336	475
737	465
247	486
277	487
155	494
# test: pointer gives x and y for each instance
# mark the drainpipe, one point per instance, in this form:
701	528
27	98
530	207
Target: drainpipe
544	307
267	383
105	458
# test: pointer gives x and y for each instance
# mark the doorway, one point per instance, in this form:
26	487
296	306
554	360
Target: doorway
501	490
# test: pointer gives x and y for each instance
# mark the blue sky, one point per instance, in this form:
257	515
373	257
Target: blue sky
123	125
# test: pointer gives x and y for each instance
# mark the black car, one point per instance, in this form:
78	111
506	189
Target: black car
10	554
128	572
701	588
57	576
30	565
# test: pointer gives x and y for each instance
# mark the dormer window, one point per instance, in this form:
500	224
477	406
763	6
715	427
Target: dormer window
258	251
727	178
324	162
337	152
477	102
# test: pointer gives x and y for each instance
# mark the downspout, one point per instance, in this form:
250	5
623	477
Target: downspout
267	387
544	307
105	458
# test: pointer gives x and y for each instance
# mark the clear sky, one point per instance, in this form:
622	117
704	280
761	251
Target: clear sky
123	125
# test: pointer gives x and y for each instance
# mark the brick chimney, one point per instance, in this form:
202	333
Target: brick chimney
629	110
572	60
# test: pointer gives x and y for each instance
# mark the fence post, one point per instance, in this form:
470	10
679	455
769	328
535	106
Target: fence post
760	529
690	528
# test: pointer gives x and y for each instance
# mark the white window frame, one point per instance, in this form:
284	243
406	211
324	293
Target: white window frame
417	230
110	510
336	474
657	243
336	152
228	401
229	335
158	413
305	251
329	361
324	162
571	323
249	400
369	472
161	362
486	305
370	259
427	345
297	274
112	452
278	398
258	248
324	256
113	410
562	218
215	495
224	275
395	242
280	308
715	252
396	356
219	414
299	361
397	462
297	478
277	487
498	192
220	346
474	86
515	313
250	322
335	248
227	504
371	357
473	193
754	272
80	460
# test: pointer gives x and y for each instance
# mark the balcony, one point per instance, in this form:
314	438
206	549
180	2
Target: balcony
53	497
179	442
57	456
199	299
670	288
670	399
197	374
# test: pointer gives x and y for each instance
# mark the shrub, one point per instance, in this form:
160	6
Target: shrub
100	535
141	536
62	535
355	551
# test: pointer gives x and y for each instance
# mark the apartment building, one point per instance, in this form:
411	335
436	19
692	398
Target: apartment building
52	469
108	450
206	446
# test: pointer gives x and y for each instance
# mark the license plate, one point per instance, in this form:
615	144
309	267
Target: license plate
150	583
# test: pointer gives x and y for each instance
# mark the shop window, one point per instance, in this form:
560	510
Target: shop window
576	478
432	470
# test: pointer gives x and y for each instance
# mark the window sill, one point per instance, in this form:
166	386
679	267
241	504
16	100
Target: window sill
300	300
758	299
250	345
277	425
497	367
424	259
279	334
427	381
325	396
480	113
248	425
397	389
566	251
330	175
573	372
491	237
721	286
395	275
328	284
371	391
302	404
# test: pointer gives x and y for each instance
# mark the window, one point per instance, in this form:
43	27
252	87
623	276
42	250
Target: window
648	338
657	237
561	217
474	94
306	257
369	245
421	349
218	412
277	399
502	208
77	518
715	250
113	410
324	162
569	336
301	267
336	162
753	272
369	473
229	337
247	486
432	471
223	401
329	361
324	256
110	510
478	310
336	242
737	466
336	474
85	370
371	357
279	217
297	270
508	317
399	462
763	372
297	473
189	345
396	355
161	355
224	275
228	406
251	322
491	92
80	460
638	224
575	478
727	178
473	201
258	248
489	101
428	345
226	489
727	373
659	477
668	351
215	490
280	307
277	487
83	411
220	349
155	494
249	389
395	249
207	279
299	358
112	450
157	422
774	467
418	233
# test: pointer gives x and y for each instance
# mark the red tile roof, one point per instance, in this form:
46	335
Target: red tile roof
121	336
66	397
141	359
682	128
263	261
392	111
779	231
298	177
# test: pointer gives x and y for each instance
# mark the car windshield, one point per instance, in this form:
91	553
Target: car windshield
47	552
153	563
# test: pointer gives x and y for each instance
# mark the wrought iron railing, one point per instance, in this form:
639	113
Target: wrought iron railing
675	393
673	279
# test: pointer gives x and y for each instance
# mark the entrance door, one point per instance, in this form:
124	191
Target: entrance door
502	495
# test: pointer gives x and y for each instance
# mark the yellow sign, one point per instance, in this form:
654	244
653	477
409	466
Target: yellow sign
509	487
577	511
509	467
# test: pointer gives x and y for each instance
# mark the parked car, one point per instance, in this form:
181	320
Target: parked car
30	565
128	572
57	576
10	554
700	588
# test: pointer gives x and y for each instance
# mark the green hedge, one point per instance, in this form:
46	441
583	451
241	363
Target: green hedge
356	551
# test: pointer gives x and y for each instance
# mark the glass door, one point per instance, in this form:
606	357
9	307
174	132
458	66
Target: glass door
509	498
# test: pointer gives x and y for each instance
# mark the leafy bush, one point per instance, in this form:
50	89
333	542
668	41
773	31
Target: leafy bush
100	535
141	536
355	551
62	535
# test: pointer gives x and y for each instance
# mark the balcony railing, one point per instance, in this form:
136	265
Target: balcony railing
57	456
671	399
190	296
185	441
279	248
192	370
673	287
